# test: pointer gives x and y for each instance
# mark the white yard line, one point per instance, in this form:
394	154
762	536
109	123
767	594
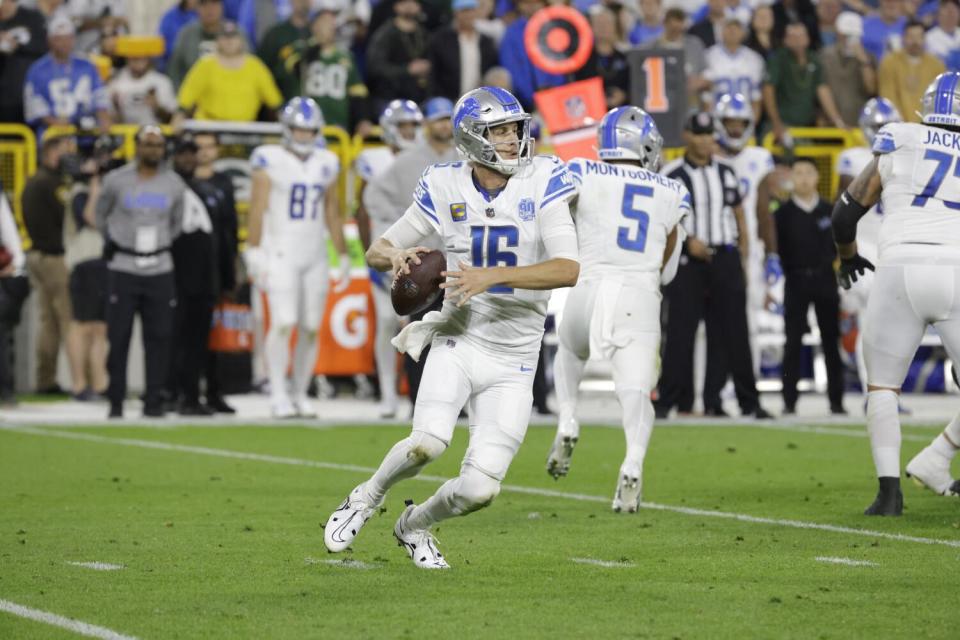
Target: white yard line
563	495
97	566
846	561
346	563
76	626
608	564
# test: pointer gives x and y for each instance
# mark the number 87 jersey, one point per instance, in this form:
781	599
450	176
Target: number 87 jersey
624	215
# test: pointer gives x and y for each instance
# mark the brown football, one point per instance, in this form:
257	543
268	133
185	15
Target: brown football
419	289
5	257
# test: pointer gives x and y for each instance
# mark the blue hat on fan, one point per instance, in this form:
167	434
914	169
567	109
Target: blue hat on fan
437	108
459	5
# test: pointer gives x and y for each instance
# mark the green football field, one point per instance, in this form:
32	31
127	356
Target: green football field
215	532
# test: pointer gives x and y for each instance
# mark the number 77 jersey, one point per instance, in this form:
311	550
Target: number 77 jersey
623	216
919	168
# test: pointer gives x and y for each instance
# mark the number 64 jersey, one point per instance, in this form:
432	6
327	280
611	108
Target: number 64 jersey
528	222
919	167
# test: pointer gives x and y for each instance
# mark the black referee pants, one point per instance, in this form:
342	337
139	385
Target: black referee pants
193	317
801	289
155	299
716	292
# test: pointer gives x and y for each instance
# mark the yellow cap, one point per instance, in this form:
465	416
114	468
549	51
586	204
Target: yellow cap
103	64
140	46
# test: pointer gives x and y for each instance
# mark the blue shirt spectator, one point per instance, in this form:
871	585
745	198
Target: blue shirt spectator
879	29
254	19
953	60
643	33
526	78
175	19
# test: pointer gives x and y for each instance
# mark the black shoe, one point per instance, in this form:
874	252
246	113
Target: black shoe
52	390
194	409
219	405
955	487
716	412
87	395
661	412
889	500
837	410
762	414
116	411
154	411
789	410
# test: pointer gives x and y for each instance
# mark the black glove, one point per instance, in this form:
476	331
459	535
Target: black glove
852	268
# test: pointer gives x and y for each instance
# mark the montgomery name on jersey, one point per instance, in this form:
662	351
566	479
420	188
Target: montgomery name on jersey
506	230
637	207
294	225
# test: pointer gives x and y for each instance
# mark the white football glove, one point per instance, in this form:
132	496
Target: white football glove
342	278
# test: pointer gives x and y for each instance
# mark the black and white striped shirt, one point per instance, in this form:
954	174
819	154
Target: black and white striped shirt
714	191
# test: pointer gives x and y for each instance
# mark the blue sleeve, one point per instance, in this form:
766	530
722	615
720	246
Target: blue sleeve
247	19
258	160
513	58
231	9
423	199
576	172
559	186
884	142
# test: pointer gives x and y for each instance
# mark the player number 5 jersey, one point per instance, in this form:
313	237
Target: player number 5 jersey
294	221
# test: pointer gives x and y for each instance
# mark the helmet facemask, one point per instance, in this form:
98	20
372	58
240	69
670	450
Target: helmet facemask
478	147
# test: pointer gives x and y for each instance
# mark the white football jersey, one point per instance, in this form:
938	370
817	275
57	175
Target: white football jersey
294	221
623	217
373	162
852	162
507	230
740	72
920	174
752	165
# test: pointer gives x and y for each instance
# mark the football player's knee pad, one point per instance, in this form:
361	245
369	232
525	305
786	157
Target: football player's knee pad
424	447
473	490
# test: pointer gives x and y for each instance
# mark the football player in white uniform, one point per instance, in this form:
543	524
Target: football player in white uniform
504	219
754	166
916	173
400	122
293	207
614	311
734	69
876	113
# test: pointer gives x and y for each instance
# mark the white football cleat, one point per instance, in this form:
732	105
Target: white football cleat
627	498
932	470
345	523
420	544
558	460
305	408
282	409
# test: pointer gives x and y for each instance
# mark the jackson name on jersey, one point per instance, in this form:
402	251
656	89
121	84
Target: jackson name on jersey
294	224
632	243
507	230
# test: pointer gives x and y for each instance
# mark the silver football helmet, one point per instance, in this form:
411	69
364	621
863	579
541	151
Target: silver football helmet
481	110
395	113
629	133
876	113
733	106
301	113
941	100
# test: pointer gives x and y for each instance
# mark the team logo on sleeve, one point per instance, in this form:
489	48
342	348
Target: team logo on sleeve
527	210
458	211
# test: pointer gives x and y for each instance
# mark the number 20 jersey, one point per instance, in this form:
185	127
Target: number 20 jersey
623	216
508	230
294	223
919	168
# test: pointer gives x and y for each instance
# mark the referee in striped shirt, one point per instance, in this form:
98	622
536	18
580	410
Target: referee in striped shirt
709	284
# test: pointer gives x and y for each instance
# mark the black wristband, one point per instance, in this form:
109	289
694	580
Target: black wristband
846	213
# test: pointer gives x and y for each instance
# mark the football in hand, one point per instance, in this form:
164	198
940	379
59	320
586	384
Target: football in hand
5	257
419	289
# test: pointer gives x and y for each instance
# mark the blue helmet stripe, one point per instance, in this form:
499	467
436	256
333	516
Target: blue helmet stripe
609	134
952	84
942	101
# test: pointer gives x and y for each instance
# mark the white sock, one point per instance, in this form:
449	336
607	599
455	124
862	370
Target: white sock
471	491
304	361
949	440
567	373
637	427
278	361
858	352
404	460
883	425
386	356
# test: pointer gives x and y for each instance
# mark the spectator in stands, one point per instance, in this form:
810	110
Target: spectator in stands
827	12
882	32
708	29
23	39
607	61
849	71
945	37
732	67
13	291
320	69
513	56
47	8
786	12
650	25
141	95
43	213
761	31
196	39
91	16
905	74
256	17
62	89
397	65
498	77
795	85
458	54
278	41
229	85
675	37
488	24
173	21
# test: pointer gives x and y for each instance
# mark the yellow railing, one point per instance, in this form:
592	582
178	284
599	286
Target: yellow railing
18	161
824	147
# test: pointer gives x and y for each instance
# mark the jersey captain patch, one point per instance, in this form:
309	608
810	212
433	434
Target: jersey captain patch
458	211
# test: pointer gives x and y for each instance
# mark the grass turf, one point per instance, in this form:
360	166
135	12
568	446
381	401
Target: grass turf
216	547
